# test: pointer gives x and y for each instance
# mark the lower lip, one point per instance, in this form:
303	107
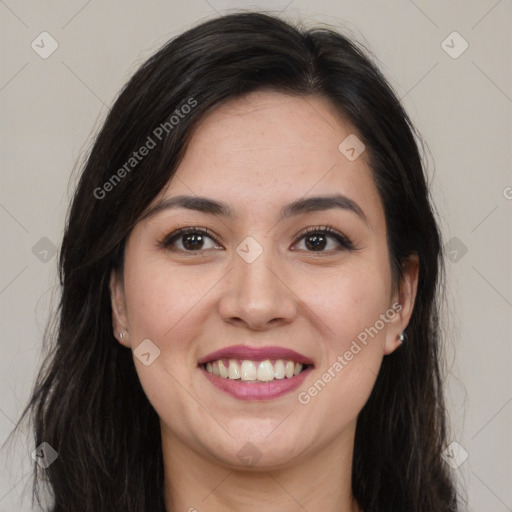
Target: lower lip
246	390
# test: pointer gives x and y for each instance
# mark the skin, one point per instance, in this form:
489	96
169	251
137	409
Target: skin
257	154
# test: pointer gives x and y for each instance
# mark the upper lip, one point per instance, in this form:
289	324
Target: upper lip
255	354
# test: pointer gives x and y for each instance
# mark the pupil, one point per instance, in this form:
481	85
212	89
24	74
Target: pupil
195	244
318	241
195	240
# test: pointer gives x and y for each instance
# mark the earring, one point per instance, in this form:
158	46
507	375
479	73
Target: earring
402	337
121	335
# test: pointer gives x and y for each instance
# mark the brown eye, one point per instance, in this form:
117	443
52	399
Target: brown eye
189	240
316	242
317	238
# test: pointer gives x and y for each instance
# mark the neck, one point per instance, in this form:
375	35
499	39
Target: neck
196	483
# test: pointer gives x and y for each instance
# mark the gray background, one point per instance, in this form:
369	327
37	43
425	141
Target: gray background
52	107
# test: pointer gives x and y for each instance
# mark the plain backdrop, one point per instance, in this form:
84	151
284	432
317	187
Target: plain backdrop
449	62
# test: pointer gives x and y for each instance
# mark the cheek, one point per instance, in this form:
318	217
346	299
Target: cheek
162	307
350	306
349	367
161	298
349	300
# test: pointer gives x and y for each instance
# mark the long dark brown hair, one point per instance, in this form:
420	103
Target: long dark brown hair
88	403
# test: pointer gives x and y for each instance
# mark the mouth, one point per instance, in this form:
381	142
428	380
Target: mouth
255	373
250	371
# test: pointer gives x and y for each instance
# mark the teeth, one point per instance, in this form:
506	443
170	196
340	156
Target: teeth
279	370
262	371
248	370
234	370
223	370
288	371
265	371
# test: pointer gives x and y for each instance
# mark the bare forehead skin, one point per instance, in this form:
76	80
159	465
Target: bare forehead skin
271	148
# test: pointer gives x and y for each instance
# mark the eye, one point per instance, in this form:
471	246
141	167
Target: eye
191	239
316	239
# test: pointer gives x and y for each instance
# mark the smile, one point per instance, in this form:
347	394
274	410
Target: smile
254	371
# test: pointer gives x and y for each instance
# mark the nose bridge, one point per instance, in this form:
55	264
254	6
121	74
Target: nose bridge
253	264
257	294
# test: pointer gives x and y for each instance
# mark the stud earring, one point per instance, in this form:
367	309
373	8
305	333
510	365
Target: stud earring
402	337
121	335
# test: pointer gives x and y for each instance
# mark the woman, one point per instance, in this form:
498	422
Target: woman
250	274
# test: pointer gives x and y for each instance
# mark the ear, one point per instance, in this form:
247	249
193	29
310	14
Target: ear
402	303
118	301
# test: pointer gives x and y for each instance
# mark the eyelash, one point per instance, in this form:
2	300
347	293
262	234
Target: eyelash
344	241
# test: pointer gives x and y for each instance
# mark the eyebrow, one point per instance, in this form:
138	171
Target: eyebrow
218	208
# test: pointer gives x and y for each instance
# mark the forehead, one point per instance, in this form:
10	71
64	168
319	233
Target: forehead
266	149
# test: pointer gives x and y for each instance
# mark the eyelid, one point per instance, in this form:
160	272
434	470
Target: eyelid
177	231
344	241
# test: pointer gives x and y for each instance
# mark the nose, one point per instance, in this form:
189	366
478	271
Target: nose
257	294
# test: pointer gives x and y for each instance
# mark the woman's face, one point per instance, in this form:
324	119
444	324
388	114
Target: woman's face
259	287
